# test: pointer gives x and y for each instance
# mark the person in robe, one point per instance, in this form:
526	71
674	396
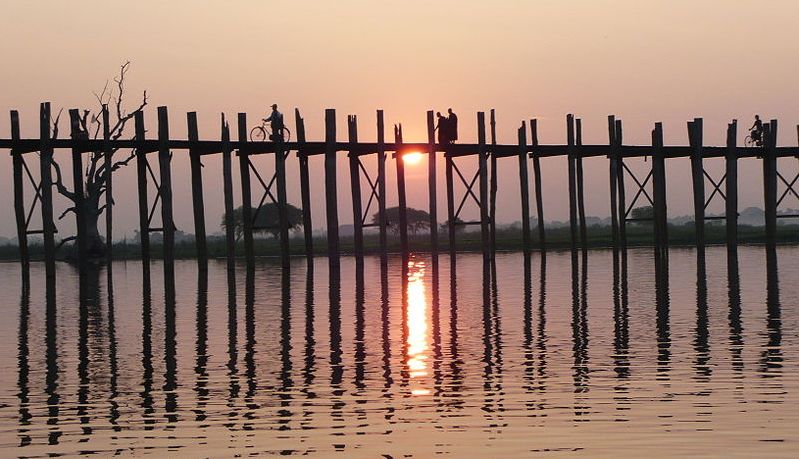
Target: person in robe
452	120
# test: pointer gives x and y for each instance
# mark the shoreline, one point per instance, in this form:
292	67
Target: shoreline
507	241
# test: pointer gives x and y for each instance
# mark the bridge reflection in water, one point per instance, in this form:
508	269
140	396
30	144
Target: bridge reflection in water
363	360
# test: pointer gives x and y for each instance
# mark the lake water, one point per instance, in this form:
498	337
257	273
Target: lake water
566	358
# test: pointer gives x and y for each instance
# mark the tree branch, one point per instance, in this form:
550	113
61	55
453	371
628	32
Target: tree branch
65	240
119	127
124	162
92	169
120	81
64	214
59	183
55	125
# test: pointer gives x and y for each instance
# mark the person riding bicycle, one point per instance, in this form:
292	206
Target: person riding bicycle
757	131
276	122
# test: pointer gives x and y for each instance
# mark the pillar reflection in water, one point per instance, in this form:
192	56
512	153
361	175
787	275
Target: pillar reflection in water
416	316
23	354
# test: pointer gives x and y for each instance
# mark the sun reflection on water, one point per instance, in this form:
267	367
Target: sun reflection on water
417	326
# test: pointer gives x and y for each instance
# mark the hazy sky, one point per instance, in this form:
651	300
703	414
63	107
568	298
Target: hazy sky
642	61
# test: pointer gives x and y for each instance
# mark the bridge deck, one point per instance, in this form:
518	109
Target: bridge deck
207	147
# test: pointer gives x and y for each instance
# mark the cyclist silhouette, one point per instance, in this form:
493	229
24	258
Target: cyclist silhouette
756	131
276	123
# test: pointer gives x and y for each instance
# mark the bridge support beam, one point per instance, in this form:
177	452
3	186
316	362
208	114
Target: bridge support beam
494	185
731	203
77	187
621	188
246	191
197	197
578	165
524	188
108	158
403	206
659	194
331	191
431	186
19	197
770	182
451	233
539	198
305	186
381	187
141	182
165	173
355	186
46	184
571	157
698	180
483	171
282	200
227	191
613	156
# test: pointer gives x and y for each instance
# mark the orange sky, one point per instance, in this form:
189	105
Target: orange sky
643	61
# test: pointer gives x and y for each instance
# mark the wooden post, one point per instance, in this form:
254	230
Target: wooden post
246	190
46	184
282	201
165	172
494	182
698	181
227	190
331	192
578	161
524	188
539	198
731	203
108	159
451	233
355	185
621	189
614	173
572	180
141	180
19	194
770	181
305	185
660	223
483	171
197	190
403	209
381	184
431	185
77	185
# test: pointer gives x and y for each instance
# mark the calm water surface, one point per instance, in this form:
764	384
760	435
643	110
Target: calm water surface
559	357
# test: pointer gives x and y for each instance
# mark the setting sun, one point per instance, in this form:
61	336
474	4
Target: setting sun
412	158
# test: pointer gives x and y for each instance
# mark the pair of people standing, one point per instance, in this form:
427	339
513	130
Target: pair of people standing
447	127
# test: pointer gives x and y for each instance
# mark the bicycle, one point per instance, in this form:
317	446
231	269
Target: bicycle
750	141
264	132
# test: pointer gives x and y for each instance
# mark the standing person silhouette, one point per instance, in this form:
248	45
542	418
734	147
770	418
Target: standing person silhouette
276	122
757	131
452	120
443	126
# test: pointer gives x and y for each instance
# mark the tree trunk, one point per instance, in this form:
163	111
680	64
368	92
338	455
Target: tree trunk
95	244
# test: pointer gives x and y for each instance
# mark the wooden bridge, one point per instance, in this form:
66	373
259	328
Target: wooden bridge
480	188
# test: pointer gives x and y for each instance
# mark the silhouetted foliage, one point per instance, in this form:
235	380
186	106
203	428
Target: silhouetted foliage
643	214
459	226
266	219
418	220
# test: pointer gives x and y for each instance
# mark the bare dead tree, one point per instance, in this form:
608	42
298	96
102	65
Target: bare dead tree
100	166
